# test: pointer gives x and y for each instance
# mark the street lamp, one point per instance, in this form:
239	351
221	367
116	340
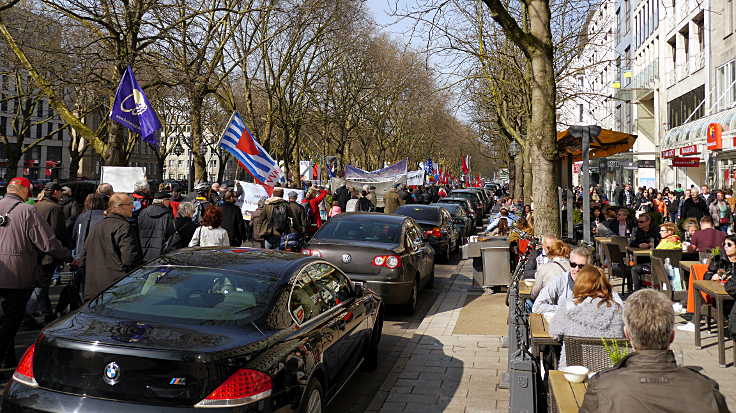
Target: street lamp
514	149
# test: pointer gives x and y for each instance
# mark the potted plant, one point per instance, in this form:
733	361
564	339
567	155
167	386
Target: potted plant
614	351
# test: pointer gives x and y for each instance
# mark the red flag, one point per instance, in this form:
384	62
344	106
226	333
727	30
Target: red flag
466	164
315	171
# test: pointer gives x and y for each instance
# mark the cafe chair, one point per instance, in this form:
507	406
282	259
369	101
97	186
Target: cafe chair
590	352
617	266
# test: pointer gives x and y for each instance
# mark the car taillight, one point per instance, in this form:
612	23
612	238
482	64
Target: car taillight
24	371
313	253
435	232
388	261
243	387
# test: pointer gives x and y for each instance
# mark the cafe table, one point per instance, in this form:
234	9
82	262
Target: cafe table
639	252
713	289
567	397
539	331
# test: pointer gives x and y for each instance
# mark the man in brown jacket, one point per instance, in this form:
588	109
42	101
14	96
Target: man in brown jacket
112	248
391	201
53	213
649	380
23	236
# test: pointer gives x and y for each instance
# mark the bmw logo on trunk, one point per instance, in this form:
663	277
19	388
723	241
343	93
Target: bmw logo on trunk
346	258
111	375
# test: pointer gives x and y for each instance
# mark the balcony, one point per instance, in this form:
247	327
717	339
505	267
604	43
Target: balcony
697	62
647	77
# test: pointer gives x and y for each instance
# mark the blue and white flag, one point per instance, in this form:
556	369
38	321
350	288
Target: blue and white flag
133	110
242	145
429	167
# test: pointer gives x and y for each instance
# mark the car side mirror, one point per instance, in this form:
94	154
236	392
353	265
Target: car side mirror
358	289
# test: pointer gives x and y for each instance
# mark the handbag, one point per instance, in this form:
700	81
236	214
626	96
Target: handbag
724	221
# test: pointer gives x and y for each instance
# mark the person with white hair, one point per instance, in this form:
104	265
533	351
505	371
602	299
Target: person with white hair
141	197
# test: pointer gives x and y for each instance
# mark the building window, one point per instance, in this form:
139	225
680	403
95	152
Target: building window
686	107
3	126
580	112
627	16
39	131
725	86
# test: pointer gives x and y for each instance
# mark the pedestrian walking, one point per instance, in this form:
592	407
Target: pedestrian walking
275	219
297	215
156	227
342	195
24	235
185	226
232	219
210	232
256	222
391	201
112	247
364	204
52	212
141	197
311	203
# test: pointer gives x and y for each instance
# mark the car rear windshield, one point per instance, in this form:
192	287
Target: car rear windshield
465	195
353	230
451	208
419	213
187	294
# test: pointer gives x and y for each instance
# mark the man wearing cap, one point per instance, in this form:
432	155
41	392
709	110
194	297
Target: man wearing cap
156	227
23	236
52	212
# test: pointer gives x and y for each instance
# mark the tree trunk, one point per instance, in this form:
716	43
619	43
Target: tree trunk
528	176
200	163
518	177
542	124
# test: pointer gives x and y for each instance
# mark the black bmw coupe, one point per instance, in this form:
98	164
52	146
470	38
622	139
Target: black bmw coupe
236	329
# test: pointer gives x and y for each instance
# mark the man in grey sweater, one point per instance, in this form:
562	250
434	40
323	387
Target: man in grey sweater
560	289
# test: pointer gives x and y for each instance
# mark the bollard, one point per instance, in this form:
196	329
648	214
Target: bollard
523	394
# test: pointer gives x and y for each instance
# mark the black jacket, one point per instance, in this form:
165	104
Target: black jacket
53	214
155	227
690	209
232	221
730	288
298	216
342	195
82	226
112	250
644	237
185	228
612	224
621	198
364	205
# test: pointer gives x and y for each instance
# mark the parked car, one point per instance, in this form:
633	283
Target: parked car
466	204
475	201
242	330
485	199
464	222
438	228
387	252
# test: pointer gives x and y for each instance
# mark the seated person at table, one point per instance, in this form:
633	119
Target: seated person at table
648	379
502	229
645	233
594	311
559	254
723	267
622	225
670	241
560	290
707	237
503	214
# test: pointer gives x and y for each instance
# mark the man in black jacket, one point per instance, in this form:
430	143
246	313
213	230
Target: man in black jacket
156	227
297	214
232	219
53	213
112	248
342	195
626	198
645	235
694	207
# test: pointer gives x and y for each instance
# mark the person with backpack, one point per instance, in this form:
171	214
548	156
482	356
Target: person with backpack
275	219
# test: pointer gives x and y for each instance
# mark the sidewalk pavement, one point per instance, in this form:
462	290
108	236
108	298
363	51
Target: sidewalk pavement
439	371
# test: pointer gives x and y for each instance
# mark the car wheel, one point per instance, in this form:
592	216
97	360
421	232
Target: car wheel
411	306
371	357
312	400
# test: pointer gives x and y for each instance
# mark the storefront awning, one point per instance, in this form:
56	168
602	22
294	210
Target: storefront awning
695	132
607	143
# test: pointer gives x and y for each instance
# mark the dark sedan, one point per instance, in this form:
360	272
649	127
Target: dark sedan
437	225
387	252
474	199
464	222
237	330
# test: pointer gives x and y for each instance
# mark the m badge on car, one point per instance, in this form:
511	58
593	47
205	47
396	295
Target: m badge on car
111	375
346	258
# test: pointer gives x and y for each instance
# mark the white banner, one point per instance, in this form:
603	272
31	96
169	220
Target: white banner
252	193
415	177
123	178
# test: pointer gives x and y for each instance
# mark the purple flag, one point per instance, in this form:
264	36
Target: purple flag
133	110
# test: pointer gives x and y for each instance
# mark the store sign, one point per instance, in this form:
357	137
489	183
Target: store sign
715	137
689	150
621	164
646	163
669	153
681	162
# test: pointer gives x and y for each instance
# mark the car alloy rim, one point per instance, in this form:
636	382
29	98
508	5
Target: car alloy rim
315	402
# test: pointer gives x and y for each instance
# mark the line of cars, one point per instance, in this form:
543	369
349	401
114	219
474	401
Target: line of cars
241	329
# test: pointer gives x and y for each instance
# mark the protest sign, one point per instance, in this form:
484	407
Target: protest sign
123	178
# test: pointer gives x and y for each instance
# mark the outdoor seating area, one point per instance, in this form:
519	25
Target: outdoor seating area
534	352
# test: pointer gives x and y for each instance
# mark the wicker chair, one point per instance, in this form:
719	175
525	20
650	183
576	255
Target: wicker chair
590	352
617	266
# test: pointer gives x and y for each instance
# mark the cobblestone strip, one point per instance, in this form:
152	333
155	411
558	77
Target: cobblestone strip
441	372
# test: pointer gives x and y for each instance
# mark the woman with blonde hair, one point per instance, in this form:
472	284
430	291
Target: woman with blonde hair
502	229
595	310
558	254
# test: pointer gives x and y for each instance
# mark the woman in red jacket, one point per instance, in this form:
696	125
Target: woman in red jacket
311	203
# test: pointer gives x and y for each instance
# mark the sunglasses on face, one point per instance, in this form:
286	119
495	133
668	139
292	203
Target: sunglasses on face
730	244
576	265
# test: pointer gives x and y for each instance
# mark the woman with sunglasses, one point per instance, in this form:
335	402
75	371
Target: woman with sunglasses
723	267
